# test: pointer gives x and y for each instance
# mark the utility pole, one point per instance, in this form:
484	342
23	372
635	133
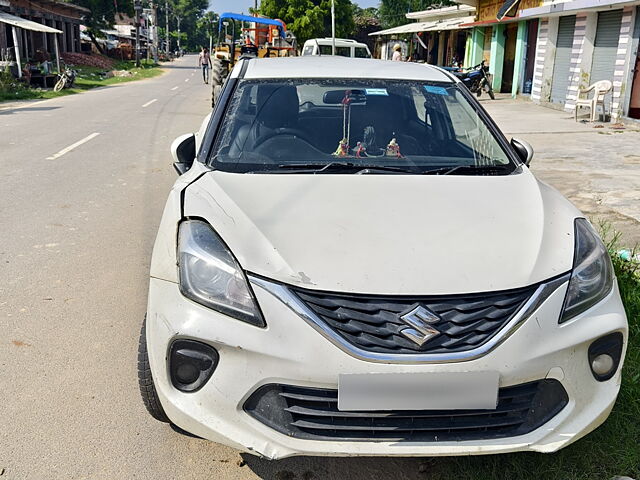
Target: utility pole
166	16
137	7
156	41
178	17
333	27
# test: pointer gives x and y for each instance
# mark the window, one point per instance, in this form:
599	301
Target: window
361	52
418	126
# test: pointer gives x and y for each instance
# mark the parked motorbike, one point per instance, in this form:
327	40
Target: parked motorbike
65	79
477	79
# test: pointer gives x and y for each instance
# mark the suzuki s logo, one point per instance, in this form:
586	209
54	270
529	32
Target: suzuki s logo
420	320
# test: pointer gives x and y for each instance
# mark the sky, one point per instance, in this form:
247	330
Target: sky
240	6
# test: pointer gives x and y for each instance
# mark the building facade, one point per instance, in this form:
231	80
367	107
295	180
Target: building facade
551	50
62	16
585	41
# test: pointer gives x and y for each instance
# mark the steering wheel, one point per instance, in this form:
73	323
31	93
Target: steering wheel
281	131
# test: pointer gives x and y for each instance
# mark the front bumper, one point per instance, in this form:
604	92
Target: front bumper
290	351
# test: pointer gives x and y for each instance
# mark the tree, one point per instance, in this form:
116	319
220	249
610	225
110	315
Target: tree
366	21
206	27
102	16
311	18
393	12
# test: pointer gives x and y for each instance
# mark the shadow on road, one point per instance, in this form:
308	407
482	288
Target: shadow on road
332	468
180	67
26	109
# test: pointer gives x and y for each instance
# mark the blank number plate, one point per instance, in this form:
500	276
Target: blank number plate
418	391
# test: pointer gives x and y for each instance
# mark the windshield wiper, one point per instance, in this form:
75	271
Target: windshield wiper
469	169
341	166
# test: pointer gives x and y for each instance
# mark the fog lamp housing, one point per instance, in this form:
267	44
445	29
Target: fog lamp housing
191	364
604	356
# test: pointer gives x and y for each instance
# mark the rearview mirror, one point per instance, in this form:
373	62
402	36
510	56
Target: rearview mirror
523	150
183	151
336	97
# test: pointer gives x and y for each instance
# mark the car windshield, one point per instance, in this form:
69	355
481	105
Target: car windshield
355	126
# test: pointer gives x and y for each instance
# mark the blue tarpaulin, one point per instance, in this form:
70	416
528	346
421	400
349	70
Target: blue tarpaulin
248	18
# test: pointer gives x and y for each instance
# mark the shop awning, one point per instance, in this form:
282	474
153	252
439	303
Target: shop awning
448	24
26	24
408	28
508	9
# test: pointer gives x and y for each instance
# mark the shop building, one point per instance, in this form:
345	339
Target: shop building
33	44
433	36
584	41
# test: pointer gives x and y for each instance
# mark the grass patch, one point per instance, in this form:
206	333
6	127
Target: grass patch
88	78
612	449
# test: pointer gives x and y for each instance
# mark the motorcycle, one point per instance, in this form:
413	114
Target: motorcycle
65	79
477	79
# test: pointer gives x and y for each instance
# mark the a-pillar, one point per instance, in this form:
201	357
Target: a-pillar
496	61
518	62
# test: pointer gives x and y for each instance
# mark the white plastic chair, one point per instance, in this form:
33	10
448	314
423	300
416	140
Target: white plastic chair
600	89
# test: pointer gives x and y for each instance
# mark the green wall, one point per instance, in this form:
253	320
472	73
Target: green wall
497	56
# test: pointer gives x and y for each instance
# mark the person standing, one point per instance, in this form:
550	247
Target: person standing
397	53
204	62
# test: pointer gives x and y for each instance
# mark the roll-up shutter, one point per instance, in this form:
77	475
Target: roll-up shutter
606	48
561	74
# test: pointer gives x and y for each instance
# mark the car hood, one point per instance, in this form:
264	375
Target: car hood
390	234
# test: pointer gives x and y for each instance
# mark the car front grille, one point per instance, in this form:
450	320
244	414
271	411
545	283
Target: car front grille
312	413
373	323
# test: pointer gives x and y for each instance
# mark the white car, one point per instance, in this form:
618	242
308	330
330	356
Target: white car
357	262
344	47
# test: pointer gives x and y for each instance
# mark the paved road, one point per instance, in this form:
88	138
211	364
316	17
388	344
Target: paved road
76	232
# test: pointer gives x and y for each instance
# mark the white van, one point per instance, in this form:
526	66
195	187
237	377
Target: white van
344	47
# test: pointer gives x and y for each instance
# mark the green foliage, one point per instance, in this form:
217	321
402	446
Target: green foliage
102	15
392	12
88	78
206	26
366	21
191	15
13	89
311	18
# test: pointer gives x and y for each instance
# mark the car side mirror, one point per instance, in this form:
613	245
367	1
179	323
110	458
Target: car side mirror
523	150
183	151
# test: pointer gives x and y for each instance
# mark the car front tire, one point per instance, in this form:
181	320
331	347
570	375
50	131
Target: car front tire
145	380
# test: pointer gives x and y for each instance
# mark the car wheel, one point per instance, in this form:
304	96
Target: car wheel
145	379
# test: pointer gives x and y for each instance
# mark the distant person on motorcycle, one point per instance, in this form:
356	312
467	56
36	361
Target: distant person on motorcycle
397	53
204	62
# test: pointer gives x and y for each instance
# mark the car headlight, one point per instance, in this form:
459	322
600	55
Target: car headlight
211	276
592	274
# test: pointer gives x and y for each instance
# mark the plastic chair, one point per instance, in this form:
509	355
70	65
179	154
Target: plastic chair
600	89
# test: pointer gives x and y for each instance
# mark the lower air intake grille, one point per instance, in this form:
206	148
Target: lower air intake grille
312	413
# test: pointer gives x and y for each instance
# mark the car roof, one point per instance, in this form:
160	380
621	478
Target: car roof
326	66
